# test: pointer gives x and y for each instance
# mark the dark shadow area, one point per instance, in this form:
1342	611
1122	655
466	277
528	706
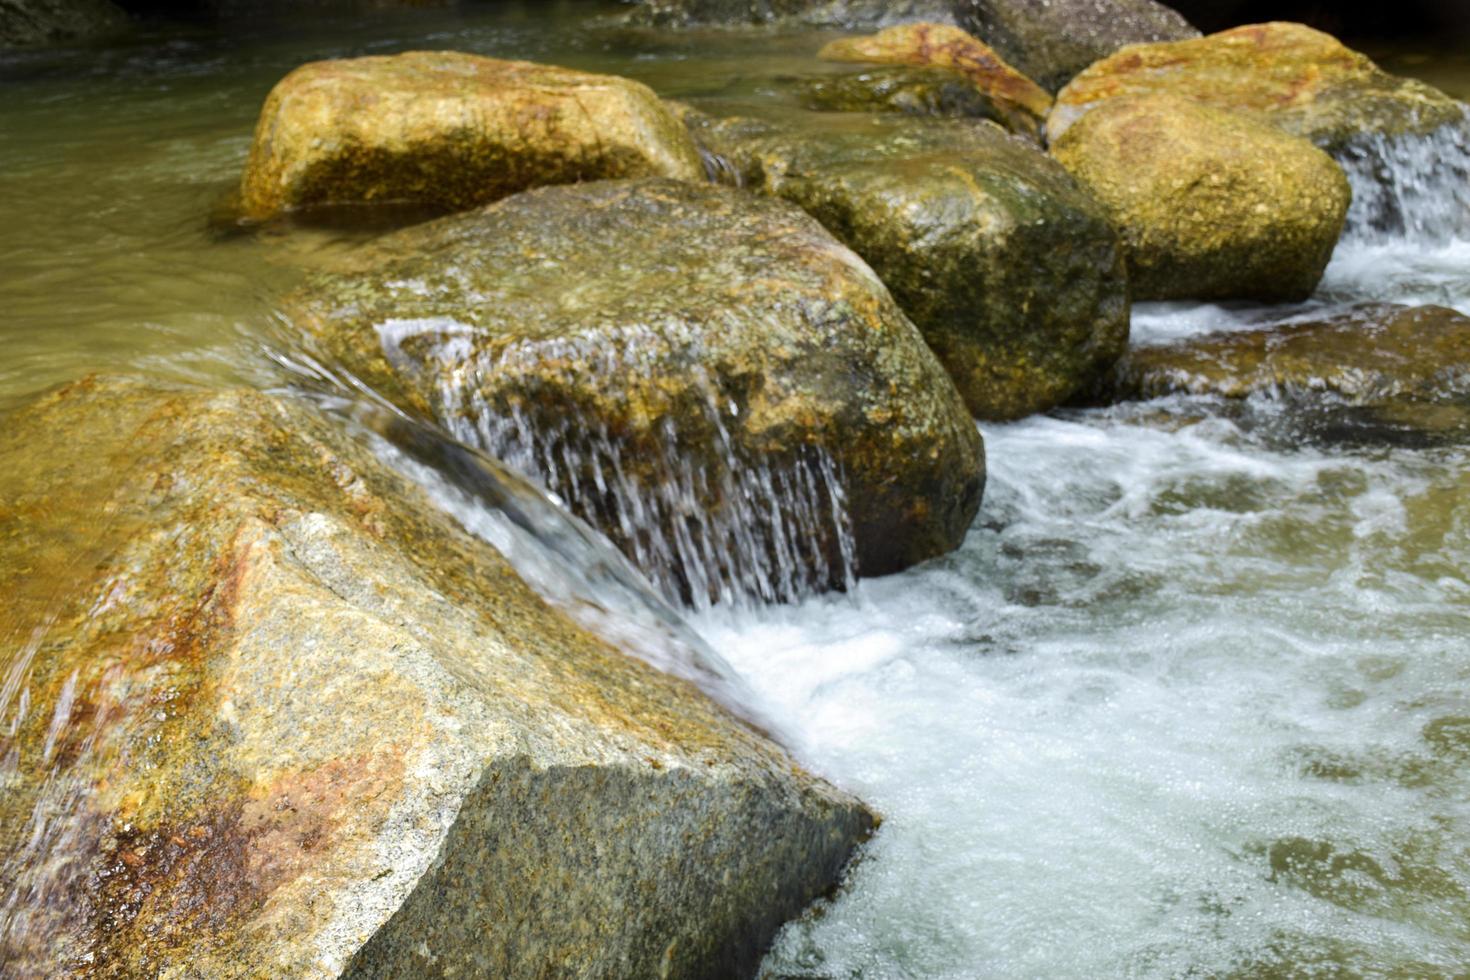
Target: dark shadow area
1407	18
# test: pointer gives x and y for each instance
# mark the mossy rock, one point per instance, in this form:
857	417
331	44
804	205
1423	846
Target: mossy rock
1372	354
1298	79
283	717
945	46
1013	272
1053	40
450	131
914	91
1211	204
706	375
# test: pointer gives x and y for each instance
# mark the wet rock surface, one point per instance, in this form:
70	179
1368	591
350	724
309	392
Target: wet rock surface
450	131
1053	40
706	375
1210	204
913	91
1011	270
945	46
283	718
1377	352
1296	78
27	23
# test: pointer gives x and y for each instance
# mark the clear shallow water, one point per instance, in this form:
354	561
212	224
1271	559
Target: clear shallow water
1188	702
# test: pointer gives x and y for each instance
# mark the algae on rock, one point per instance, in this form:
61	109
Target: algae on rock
1053	40
1009	268
706	375
1289	75
285	718
451	131
945	46
1211	204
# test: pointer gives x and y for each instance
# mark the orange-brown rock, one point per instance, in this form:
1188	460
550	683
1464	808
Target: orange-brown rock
944	46
1296	78
449	131
265	711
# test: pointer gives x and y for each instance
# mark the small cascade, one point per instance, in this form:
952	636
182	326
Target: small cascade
708	524
720	169
1409	187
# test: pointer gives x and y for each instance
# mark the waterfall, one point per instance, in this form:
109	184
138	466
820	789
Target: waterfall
1409	187
707	520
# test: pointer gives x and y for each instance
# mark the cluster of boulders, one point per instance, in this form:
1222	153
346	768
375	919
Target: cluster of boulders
284	712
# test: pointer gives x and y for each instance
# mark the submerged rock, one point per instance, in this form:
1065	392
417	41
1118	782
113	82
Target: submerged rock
1211	204
1371	355
24	23
1053	40
945	46
278	714
1012	271
451	131
915	91
707	376
1289	75
815	13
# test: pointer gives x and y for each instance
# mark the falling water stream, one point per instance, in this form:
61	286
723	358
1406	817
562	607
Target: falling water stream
1193	699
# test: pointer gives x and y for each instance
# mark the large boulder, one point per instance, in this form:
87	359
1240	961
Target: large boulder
1376	354
1211	204
706	375
1013	272
1053	40
25	23
851	14
944	46
269	713
451	131
1299	79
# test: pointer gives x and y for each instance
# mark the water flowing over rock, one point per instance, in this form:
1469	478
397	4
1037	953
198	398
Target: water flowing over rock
1412	186
1011	270
819	13
263	707
1211	204
1053	40
32	22
1377	365
1402	142
944	46
451	131
705	375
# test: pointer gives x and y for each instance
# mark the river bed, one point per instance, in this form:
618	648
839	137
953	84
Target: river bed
1190	701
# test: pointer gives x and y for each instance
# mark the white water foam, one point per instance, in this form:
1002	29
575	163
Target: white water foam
1168	712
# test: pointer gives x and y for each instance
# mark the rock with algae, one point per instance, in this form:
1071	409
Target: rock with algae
1289	75
1211	204
687	365
267	713
1053	40
913	91
450	131
1009	268
1374	353
945	46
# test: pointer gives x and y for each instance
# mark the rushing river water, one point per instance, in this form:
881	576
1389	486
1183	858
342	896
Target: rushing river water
1190	701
